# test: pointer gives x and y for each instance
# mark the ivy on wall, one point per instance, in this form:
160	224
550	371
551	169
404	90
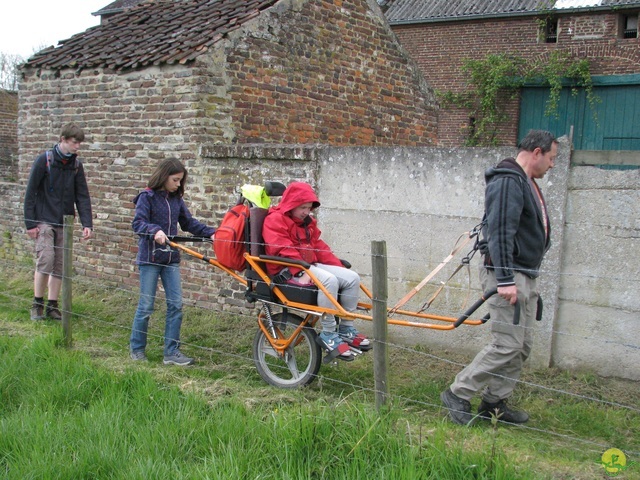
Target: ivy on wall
495	80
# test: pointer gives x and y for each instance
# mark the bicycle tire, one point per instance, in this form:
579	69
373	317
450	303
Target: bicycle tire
301	363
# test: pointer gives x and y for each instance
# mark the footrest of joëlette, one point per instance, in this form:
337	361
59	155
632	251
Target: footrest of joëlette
342	351
335	354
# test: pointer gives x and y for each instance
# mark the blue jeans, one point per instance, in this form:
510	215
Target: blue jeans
170	275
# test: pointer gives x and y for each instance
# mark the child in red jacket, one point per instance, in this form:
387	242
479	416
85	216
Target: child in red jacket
290	231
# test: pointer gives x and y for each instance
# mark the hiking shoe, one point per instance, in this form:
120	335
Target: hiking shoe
459	409
350	335
138	355
500	409
37	311
335	347
53	312
177	358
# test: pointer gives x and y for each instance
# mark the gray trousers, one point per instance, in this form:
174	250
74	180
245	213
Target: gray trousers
343	284
498	365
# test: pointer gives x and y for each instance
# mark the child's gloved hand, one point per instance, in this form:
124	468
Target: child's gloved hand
304	279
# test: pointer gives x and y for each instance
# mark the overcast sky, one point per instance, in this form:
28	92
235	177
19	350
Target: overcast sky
28	25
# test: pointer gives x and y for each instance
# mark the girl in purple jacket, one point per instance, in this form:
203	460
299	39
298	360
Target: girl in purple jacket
159	210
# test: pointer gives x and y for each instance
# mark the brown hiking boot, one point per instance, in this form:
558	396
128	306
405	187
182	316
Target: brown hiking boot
53	312
37	311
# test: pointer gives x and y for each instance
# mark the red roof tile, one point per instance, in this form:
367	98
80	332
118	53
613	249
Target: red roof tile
153	33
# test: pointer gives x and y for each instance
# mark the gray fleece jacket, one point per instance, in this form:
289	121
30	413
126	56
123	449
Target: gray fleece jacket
515	231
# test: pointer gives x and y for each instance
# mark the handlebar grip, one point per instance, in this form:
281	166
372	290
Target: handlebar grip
474	307
484	298
539	309
516	313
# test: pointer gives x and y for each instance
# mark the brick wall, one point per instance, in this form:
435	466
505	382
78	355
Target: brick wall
330	72
8	135
131	121
340	81
440	50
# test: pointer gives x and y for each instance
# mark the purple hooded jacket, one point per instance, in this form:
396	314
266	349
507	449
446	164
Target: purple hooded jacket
158	210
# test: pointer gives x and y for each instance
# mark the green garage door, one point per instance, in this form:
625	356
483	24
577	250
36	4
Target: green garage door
614	126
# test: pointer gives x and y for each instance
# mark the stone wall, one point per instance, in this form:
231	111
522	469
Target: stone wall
257	85
418	200
599	305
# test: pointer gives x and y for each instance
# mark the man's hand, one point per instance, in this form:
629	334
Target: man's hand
33	232
87	233
510	293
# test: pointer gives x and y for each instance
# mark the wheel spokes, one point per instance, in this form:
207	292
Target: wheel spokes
267	349
290	359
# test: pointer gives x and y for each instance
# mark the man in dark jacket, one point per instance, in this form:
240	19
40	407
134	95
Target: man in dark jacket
518	235
56	184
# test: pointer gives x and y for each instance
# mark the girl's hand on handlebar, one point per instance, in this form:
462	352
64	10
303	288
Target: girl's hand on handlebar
160	237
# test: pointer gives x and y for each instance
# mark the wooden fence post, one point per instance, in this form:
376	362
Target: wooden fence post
379	304
67	272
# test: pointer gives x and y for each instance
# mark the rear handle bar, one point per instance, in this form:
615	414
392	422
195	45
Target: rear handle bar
484	298
187	238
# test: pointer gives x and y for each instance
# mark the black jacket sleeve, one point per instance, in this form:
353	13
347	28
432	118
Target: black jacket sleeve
36	177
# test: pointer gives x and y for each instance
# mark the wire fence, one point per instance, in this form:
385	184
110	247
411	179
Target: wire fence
630	283
15	300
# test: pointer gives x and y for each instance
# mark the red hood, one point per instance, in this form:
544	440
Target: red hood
295	195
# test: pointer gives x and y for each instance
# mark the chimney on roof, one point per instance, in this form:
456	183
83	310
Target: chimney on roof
115	8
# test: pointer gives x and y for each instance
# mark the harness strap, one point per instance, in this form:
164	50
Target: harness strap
49	155
433	273
428	303
463	240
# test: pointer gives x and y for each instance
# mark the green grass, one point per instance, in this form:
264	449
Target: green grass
90	412
63	417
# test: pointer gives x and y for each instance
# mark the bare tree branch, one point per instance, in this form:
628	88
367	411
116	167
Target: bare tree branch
9	72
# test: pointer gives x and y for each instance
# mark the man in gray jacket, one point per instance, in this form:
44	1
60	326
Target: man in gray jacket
56	184
517	232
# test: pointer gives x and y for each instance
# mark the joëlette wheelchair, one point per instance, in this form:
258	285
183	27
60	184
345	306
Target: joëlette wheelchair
285	351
